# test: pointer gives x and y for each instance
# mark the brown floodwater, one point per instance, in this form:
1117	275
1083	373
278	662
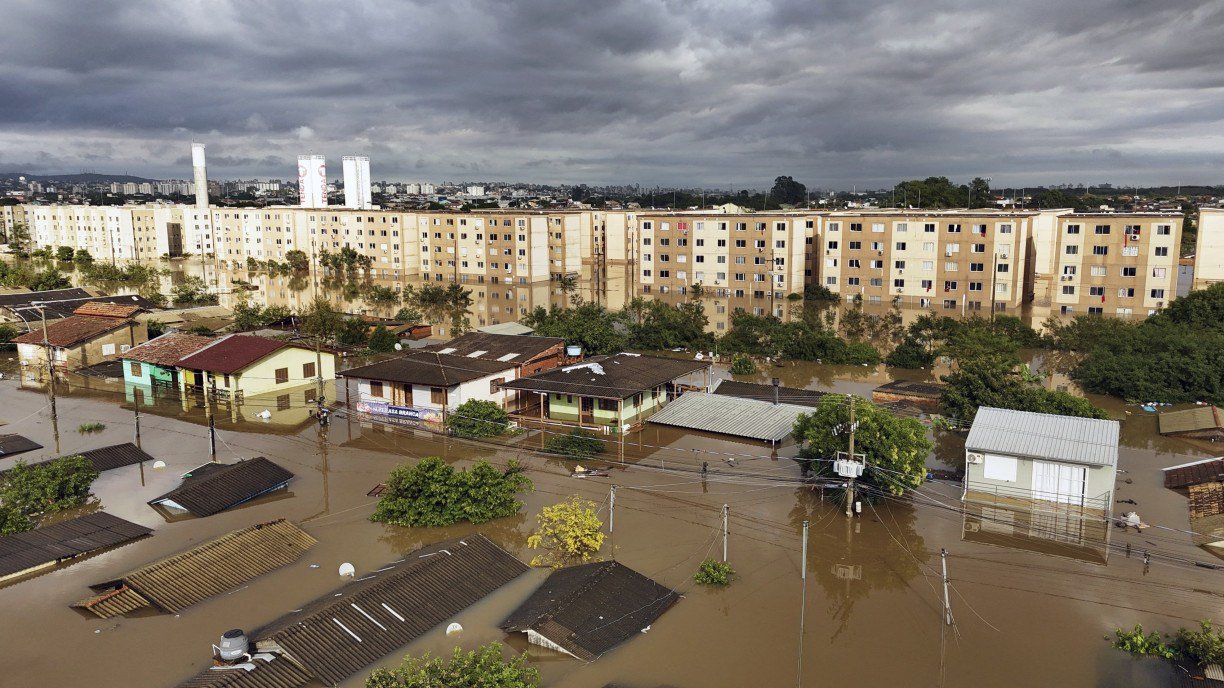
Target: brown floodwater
1029	609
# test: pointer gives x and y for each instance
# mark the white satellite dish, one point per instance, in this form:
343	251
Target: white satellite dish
399	347
454	629
347	569
159	464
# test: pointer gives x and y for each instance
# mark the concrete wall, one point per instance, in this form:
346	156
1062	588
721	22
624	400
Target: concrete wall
1209	248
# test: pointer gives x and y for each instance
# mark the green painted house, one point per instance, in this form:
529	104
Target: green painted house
617	390
154	364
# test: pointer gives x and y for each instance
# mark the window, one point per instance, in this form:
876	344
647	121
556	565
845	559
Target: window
1164	230
899	264
898	283
1158	272
134	369
1158	293
999	468
1073	229
495	384
1097	270
1096	291
901	227
1100	250
437	395
308	370
877	227
1069	269
949	285
853	263
832	245
977	267
1130	272
975	286
856	226
1005	229
929	227
1068	290
856	245
1126	292
927	284
376	388
1162	251
979	248
954	229
1101	229
282	376
282	402
1002	267
900	245
1072	250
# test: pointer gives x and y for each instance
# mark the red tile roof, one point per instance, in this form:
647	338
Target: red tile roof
232	353
72	330
108	310
168	349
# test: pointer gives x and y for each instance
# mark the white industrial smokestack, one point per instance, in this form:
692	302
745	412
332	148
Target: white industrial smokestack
312	181
200	175
357	182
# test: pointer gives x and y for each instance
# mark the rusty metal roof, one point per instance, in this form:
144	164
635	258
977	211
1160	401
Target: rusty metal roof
1194	473
341	633
168	349
215	487
73	330
64	540
191	576
232	353
108	310
1191	420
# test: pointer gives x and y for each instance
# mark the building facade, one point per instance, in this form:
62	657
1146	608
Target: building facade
1108	264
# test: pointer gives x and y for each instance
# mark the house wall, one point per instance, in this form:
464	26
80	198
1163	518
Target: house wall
260	377
1100	480
421	396
565	407
103	348
149	372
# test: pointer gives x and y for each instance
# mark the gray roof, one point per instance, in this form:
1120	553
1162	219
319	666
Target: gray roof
1069	439
727	415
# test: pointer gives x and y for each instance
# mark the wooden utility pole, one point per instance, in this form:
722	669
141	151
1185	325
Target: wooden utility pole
212	417
802	602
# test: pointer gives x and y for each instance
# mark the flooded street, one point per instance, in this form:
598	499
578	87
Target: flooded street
1029	610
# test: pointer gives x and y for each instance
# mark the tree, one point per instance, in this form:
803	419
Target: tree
979	193
432	493
910	354
49	279
321	319
64	254
352	332
1202	647
568	284
787	190
408	314
483	667
19	237
382	296
382	340
28	491
590	326
192	291
576	444
741	364
298	260
895	448
247	316
568	533
477	418
714	572
82	256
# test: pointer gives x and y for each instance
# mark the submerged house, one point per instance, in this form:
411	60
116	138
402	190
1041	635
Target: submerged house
423	386
1041	460
1198	423
154	364
616	390
94	333
215	487
243	365
586	610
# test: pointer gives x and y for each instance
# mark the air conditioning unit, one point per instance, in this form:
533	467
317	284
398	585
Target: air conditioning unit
974	457
971	527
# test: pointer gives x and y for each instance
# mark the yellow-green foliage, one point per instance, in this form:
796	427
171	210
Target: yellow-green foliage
568	533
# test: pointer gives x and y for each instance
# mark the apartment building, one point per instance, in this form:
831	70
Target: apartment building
739	256
960	260
1115	264
141	233
1209	248
10	216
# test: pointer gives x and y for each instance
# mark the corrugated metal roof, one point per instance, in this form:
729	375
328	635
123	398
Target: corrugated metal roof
277	672
727	415
618	376
752	390
12	445
64	540
1196	473
105	458
341	633
1085	441
215	487
211	568
1190	420
591	608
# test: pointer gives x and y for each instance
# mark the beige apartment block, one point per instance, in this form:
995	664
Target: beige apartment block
10	216
1209	248
953	260
1116	264
749	255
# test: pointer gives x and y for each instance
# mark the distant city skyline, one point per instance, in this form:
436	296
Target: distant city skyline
721	95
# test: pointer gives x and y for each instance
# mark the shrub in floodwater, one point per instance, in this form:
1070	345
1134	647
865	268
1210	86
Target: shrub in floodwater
86	428
713	572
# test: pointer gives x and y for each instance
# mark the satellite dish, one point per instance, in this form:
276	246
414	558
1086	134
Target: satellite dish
454	629
159	464
399	347
346	569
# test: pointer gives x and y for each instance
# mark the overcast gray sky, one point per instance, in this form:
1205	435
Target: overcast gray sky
836	93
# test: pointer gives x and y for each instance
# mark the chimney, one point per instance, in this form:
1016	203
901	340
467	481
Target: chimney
200	175
357	182
312	181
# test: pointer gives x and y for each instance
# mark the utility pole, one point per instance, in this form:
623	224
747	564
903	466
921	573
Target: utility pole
802	603
725	510
611	509
943	556
212	417
850	484
136	412
50	377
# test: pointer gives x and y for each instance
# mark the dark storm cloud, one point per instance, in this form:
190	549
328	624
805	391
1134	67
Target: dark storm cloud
835	92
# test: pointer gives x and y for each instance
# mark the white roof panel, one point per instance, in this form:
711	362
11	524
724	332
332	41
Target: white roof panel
1069	439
